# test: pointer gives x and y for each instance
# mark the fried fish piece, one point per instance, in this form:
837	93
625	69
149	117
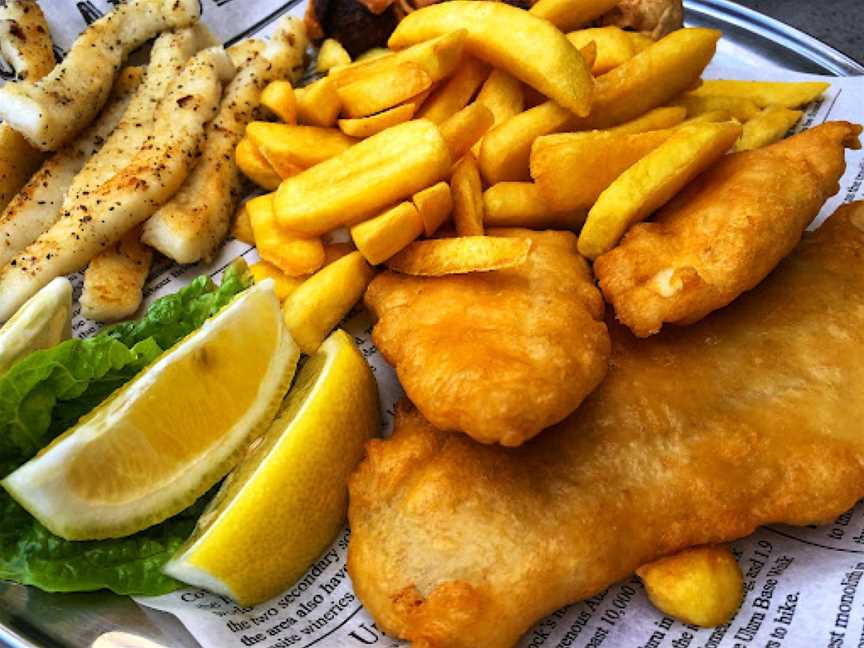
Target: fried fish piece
725	232
697	436
498	355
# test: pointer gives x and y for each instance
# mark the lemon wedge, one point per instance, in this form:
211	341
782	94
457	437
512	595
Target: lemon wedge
160	441
286	501
43	321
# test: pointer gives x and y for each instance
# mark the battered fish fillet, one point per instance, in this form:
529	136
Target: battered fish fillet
498	355
697	436
723	234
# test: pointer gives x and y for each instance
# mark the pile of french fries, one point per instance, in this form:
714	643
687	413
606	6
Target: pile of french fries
484	115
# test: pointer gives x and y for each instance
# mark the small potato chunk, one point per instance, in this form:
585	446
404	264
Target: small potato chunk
740	108
438	56
381	237
318	104
330	55
769	126
652	181
701	586
571	14
278	97
282	283
520	204
242	228
456	92
614	46
789	94
382	90
530	48
572	169
297	146
293	255
656	119
434	205
361	181
362	127
439	257
255	166
324	299
467	193
464	129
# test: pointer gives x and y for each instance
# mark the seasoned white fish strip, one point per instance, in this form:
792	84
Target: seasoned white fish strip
51	111
114	279
38	205
133	194
195	221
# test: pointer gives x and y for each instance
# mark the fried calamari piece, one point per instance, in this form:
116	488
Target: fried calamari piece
498	355
697	436
725	232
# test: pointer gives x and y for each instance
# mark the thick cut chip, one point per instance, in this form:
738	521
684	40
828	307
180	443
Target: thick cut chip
770	125
467	191
318	104
789	94
298	146
652	181
614	46
434	204
446	256
533	50
163	439
362	127
740	108
655	119
278	97
570	14
572	169
455	93
255	166
498	355
465	128
283	285
699	435
294	255
330	55
368	177
382	90
381	237
522	204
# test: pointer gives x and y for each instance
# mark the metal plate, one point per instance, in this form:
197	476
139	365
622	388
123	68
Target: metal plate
33	619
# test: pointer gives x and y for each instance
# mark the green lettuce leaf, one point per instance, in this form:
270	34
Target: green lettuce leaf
46	393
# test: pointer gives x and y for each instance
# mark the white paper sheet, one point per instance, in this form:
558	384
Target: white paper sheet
803	584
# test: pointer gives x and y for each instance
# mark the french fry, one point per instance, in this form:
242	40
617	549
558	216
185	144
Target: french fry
293	255
640	41
465	128
506	149
769	126
242	228
377	172
297	146
572	169
648	80
438	56
571	14
656	119
381	237
701	586
467	191
255	166
278	97
712	116
114	279
330	55
788	94
362	127
740	108
521	204
313	309
503	95
374	53
335	251
446	256
589	53
434	204
456	91
283	285
382	90
652	181
533	51
614	46
51	111
318	104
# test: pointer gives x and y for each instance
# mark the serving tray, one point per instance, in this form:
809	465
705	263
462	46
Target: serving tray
33	619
